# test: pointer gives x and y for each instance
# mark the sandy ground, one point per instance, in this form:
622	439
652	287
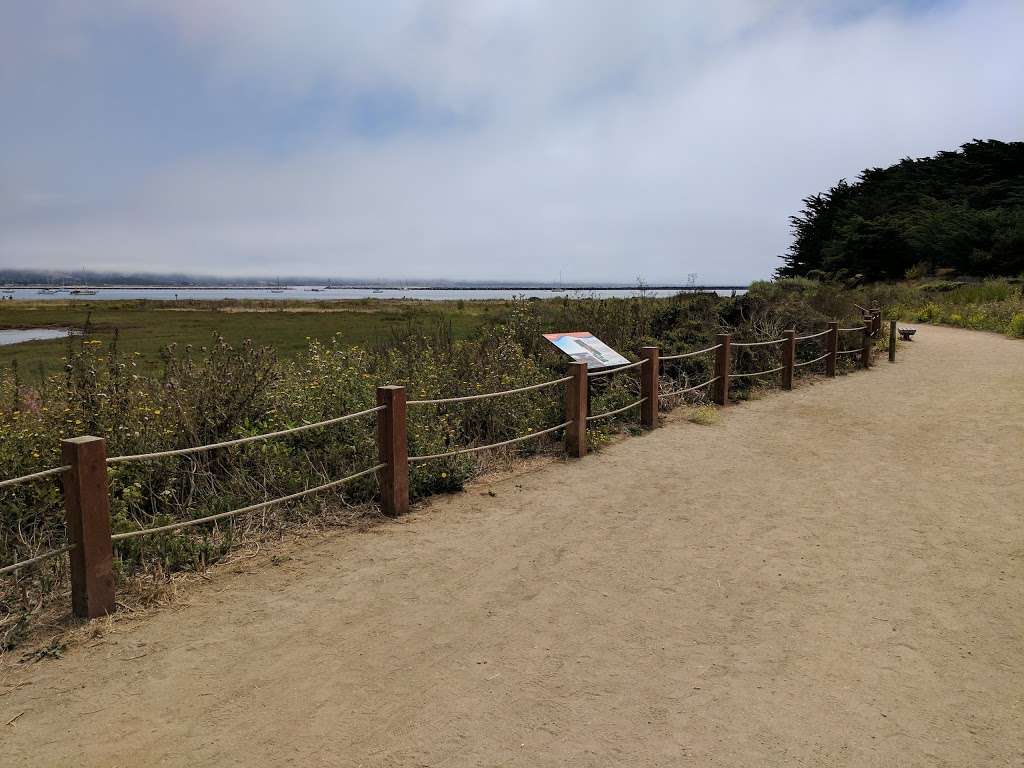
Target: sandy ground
832	576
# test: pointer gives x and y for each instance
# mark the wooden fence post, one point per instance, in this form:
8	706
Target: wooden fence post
87	513
393	451
723	362
832	342
892	341
788	358
576	411
650	375
865	352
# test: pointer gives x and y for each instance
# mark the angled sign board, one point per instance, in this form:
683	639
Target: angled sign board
585	347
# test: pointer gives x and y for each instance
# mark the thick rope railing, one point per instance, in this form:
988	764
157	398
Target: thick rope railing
690	354
756	373
756	343
810	362
33	560
34	476
811	336
691	389
241	440
606	414
484	396
849	351
475	449
250	508
851	330
606	371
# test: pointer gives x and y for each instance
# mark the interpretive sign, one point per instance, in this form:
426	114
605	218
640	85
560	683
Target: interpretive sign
585	347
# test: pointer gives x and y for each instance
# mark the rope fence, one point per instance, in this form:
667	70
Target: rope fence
251	508
624	408
86	509
485	396
606	371
37	559
34	476
239	441
810	362
475	449
756	343
811	336
756	373
691	354
695	387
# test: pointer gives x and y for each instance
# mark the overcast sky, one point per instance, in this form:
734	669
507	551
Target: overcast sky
606	140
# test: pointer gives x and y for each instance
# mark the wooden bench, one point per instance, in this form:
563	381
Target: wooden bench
906	333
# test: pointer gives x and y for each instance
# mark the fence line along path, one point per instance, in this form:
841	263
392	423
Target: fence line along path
829	577
90	547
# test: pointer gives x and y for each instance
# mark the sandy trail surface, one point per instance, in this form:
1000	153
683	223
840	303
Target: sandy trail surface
831	576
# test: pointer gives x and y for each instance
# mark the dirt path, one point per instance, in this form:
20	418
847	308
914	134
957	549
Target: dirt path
833	576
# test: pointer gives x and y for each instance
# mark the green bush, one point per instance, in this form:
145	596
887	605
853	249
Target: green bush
1016	327
929	313
919	270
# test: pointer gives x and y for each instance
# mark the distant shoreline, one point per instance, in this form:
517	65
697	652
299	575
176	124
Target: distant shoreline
490	287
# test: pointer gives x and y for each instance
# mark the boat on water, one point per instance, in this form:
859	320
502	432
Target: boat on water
83	292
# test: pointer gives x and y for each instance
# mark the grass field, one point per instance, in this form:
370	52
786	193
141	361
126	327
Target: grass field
147	327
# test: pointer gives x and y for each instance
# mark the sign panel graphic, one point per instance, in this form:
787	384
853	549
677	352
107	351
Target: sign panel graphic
585	347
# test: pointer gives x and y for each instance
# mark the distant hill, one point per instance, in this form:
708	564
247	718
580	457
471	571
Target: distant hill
960	212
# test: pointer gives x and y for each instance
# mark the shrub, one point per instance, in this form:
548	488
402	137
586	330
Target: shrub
929	313
705	415
1016	327
919	270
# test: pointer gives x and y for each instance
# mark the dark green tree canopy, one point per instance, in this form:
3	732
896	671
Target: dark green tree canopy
961	210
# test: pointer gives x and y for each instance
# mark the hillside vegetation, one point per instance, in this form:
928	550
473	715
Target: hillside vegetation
959	212
292	371
146	328
227	388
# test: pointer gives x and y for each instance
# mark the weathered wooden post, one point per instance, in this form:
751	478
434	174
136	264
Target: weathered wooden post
649	376
87	513
865	352
576	411
788	358
723	363
831	349
393	451
892	341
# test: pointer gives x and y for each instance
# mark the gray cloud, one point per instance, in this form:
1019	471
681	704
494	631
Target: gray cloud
603	139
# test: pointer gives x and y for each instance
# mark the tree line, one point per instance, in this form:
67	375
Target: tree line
961	211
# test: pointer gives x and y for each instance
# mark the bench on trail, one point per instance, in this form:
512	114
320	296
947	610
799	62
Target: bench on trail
906	333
